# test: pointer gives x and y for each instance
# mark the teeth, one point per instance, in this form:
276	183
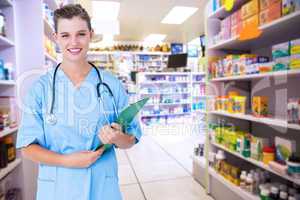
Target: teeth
74	50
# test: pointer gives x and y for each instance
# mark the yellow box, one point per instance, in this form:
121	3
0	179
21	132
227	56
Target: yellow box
260	106
240	104
249	9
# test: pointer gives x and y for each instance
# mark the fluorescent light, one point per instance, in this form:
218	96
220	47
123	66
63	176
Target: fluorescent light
105	10
111	27
155	38
178	15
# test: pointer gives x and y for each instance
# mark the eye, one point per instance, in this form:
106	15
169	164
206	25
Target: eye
64	36
82	34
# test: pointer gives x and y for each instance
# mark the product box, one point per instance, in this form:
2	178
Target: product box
252	69
282	63
249	9
295	46
265	67
264	4
270	14
284	148
236	18
260	106
251	21
226	28
293	110
281	50
294	62
257	145
236	30
290	6
246	59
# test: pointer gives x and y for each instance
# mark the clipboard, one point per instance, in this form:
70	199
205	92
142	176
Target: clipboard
127	116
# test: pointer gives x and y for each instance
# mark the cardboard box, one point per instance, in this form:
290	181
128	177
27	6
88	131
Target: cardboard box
226	28
282	63
265	4
252	21
290	6
249	9
236	18
270	14
295	47
295	61
260	106
236	30
285	147
281	50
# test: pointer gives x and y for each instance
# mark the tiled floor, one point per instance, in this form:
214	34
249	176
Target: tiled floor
159	168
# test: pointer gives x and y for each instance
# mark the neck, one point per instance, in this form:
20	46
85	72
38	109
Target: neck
78	67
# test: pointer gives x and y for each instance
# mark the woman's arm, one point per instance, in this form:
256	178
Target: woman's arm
42	155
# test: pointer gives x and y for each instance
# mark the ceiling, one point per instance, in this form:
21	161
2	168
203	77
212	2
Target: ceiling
139	18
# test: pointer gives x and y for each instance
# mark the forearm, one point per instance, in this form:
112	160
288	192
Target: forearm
125	141
39	154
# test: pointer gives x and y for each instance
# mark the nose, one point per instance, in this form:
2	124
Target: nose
74	40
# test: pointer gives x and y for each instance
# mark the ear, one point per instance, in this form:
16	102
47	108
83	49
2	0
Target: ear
54	35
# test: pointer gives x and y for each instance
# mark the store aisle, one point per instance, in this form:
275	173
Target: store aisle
157	167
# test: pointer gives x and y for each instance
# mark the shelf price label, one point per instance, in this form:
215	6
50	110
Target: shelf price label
228	4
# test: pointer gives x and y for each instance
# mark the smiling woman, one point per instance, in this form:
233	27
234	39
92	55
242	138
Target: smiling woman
64	144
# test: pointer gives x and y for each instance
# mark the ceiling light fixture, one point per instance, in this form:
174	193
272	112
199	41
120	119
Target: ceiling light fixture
179	14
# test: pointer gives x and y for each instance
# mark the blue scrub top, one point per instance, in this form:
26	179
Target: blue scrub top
79	119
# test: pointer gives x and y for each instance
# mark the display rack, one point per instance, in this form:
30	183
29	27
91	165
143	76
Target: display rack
172	94
280	30
10	167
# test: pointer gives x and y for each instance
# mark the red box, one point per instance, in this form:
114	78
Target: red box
236	18
236	30
270	14
265	4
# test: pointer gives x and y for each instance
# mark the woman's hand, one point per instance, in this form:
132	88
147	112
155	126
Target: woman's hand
112	134
82	159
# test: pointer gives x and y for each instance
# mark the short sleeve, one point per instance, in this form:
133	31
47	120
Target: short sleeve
31	129
134	127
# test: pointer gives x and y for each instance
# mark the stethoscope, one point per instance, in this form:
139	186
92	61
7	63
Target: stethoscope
50	116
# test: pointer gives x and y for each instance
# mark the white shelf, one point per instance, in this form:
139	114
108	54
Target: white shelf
198	82
8	82
200	96
95	53
200	160
200	111
258	76
242	193
258	163
262	120
164	82
49	57
168	104
168	114
165	73
10	167
5	42
286	28
7	131
198	73
6	3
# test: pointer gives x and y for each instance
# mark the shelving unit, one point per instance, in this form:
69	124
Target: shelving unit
5	42
49	57
10	167
262	84
7	131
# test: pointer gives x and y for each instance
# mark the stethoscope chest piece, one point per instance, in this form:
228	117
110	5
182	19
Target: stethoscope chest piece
51	119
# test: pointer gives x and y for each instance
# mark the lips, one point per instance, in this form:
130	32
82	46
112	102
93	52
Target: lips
74	51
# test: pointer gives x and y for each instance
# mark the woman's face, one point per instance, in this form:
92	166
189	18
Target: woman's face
73	37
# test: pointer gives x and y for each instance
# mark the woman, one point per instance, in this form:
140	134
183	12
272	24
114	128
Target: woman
64	145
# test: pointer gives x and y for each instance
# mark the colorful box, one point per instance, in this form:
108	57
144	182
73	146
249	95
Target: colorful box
265	67
257	145
282	63
226	28
264	4
270	14
249	9
236	18
295	47
290	6
281	50
294	62
251	21
245	60
236	30
260	106
284	148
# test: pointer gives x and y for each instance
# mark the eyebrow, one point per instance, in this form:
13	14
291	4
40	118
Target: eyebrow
80	31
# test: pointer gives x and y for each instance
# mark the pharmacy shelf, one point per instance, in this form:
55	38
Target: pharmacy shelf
95	53
49	57
257	163
5	42
165	73
7	131
239	191
262	120
199	96
167	114
198	73
6	3
221	13
10	167
259	76
164	82
179	93
198	82
167	104
199	160
200	111
285	28
7	82
53	5
48	30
